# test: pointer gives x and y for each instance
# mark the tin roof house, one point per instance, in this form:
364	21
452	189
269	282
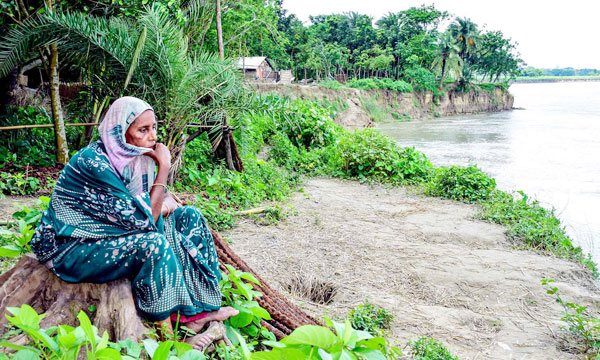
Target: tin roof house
257	68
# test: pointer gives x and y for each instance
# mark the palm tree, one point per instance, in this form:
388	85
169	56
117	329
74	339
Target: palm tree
149	57
448	59
466	34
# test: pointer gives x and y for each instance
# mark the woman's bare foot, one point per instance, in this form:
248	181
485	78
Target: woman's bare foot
200	341
216	331
222	314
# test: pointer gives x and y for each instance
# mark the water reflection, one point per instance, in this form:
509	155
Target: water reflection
550	149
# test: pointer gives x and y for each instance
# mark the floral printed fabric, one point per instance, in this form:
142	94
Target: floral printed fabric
96	231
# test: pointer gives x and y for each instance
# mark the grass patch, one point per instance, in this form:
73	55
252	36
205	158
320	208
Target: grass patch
384	84
532	226
491	87
331	84
429	349
370	317
373	108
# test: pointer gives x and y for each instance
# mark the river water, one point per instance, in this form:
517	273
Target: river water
549	148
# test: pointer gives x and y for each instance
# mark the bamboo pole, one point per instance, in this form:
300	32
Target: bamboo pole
251	211
18	127
219	30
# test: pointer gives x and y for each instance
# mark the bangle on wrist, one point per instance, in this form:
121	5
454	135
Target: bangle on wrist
168	210
159	184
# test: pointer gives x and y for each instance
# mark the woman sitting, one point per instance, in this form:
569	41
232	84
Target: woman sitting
110	217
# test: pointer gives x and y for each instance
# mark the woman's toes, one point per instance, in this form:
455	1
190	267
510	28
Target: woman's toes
203	341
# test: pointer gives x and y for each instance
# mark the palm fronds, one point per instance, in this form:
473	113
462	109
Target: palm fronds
150	57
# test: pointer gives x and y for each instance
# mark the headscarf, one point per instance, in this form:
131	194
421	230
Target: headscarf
136	170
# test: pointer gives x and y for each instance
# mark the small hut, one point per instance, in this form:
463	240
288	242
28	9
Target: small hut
257	68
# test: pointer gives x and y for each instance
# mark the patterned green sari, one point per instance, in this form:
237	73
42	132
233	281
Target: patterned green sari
95	230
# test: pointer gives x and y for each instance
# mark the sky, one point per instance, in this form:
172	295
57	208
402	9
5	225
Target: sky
550	34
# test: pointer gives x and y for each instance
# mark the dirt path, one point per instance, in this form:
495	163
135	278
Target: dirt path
425	260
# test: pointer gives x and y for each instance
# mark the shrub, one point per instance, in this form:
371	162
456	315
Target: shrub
422	79
331	84
312	125
367	154
371	318
222	191
583	324
429	349
468	184
491	87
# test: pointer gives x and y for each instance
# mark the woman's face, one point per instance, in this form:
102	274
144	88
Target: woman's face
142	132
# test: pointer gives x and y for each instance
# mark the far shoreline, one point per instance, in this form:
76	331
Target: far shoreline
554	80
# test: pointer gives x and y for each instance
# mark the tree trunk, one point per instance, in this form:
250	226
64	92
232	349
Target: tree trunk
228	157
30	282
443	73
62	150
219	31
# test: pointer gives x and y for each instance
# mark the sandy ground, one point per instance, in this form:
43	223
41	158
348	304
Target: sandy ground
427	261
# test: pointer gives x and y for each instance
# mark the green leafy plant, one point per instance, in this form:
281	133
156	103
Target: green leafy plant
429	349
318	342
17	243
583	325
66	342
422	79
18	183
371	318
27	146
238	292
468	184
312	125
60	342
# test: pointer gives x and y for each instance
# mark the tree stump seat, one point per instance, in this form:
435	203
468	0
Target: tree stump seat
111	307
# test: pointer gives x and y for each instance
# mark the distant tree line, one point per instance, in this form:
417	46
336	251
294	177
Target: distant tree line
405	45
568	71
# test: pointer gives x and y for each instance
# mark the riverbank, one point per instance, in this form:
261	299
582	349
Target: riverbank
427	261
358	107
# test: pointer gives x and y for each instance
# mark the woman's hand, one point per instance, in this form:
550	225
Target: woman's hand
161	155
169	205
